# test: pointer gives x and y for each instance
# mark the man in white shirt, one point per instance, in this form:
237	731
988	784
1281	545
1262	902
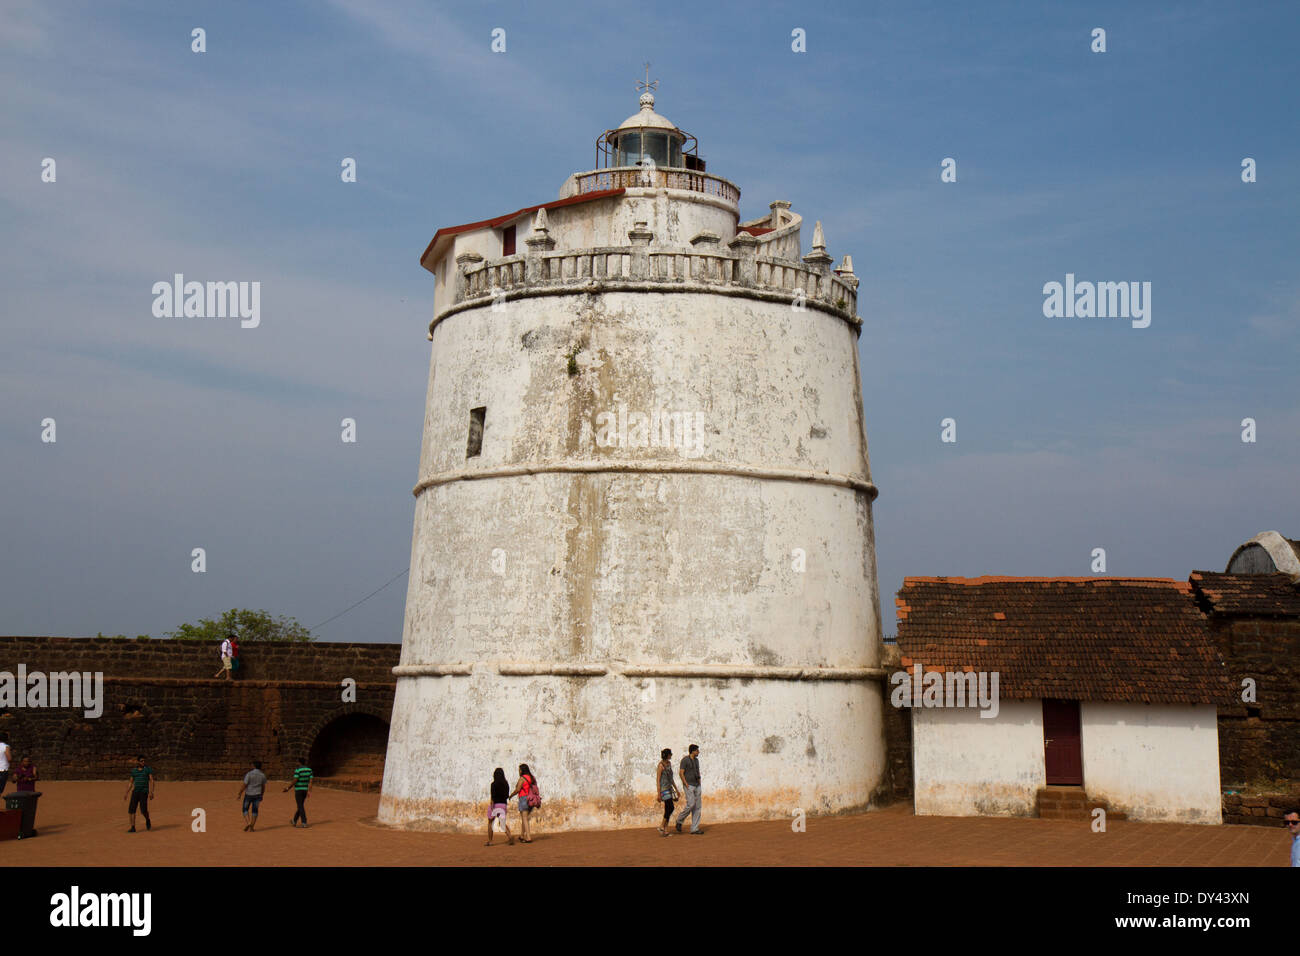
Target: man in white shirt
4	760
226	654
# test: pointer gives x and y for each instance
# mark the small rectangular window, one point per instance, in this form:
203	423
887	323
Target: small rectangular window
476	419
508	241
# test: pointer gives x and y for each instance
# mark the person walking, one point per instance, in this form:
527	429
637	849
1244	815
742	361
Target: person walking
141	790
497	809
301	784
1291	820
235	663
690	771
253	788
227	655
530	798
5	757
666	788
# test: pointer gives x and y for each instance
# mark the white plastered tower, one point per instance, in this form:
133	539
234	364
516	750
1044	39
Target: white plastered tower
644	509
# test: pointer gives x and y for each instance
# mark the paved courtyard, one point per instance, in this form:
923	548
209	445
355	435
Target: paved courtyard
83	823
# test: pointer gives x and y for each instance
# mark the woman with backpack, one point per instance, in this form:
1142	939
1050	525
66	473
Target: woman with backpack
665	787
530	798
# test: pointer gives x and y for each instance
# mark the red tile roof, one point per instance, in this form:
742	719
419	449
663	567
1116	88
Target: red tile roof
1247	595
1100	639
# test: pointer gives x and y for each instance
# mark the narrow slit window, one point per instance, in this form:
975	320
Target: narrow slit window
508	241
476	419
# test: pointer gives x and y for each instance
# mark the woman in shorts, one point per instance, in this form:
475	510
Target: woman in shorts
665	789
527	785
497	808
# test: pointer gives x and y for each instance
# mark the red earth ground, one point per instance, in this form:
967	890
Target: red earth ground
84	823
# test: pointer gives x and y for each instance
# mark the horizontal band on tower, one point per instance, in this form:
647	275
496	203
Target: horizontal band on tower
649	468
715	671
585	285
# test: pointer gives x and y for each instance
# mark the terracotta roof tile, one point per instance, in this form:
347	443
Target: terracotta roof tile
1104	639
1250	595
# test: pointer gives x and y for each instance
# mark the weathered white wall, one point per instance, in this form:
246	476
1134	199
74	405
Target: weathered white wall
674	217
778	388
1153	761
965	765
621	569
767	748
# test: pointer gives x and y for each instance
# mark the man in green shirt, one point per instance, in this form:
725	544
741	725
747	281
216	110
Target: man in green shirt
301	790
140	790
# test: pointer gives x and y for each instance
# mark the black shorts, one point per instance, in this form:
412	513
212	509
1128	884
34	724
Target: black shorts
139	798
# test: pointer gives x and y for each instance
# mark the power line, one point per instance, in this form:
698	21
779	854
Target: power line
363	600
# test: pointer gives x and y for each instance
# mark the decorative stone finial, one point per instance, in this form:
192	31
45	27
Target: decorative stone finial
540	240
819	256
845	272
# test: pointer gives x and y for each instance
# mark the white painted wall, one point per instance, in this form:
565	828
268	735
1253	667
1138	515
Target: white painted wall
1156	762
965	765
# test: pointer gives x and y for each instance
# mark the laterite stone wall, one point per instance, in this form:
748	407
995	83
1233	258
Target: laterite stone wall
160	699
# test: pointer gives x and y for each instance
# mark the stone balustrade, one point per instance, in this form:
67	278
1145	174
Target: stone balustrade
705	267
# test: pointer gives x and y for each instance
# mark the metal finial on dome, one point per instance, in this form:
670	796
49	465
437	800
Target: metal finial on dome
647	88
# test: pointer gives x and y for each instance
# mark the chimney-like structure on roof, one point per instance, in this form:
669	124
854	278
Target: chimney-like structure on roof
643	515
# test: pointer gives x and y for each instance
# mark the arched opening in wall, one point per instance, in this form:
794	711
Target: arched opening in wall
349	752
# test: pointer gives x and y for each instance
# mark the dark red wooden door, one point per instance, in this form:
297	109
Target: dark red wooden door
1062	749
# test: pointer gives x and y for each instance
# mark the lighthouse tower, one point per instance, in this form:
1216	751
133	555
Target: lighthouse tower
643	512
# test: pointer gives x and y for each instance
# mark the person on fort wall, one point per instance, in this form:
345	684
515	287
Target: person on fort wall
666	788
5	756
530	798
499	796
227	658
301	784
235	662
25	776
140	788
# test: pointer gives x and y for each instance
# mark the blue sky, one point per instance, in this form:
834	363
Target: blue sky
1072	433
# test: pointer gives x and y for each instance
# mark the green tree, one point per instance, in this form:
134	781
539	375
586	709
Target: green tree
248	626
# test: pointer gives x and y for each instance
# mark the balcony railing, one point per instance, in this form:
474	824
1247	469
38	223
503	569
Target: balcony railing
623	266
657	177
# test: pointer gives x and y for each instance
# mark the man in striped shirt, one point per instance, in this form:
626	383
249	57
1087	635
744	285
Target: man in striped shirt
140	790
301	790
